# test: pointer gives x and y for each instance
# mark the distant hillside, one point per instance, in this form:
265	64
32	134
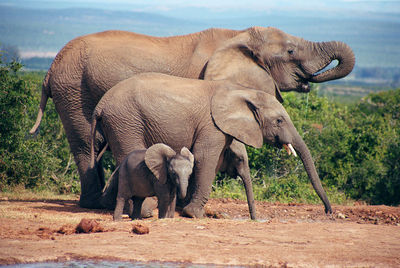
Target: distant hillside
49	30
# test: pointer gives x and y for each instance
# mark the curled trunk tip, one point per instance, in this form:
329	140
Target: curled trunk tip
339	51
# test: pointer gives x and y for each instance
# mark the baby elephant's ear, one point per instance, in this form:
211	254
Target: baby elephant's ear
156	159
186	153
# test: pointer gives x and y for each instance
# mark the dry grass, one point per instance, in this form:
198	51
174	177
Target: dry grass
22	194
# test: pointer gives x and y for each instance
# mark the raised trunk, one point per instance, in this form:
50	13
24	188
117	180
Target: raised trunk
309	166
330	51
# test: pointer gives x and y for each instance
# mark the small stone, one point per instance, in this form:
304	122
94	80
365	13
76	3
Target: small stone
341	216
140	229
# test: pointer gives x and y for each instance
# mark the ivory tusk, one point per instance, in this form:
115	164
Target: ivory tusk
289	149
292	150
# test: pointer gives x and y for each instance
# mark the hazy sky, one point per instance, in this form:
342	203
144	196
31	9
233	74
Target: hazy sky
391	6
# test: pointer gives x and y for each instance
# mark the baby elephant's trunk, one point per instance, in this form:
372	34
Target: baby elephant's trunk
182	190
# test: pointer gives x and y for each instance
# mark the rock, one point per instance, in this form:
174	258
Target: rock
88	226
140	229
341	216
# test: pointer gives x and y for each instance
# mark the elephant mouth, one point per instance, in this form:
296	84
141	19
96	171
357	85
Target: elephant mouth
303	79
303	86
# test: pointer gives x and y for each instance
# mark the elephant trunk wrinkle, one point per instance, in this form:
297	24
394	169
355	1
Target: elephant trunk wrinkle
309	166
329	52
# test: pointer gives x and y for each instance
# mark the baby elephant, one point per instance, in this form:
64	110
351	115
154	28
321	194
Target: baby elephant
158	171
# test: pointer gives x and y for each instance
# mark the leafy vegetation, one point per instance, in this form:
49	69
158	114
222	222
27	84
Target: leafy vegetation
355	147
41	163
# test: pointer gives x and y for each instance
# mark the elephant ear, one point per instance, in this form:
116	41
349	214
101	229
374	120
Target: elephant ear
156	159
186	153
238	61
236	113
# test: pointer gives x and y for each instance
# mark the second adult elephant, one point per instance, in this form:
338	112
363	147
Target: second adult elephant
263	58
153	108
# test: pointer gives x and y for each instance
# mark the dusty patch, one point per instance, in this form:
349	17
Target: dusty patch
286	235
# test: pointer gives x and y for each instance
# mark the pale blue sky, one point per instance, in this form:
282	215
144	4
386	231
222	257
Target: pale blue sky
391	6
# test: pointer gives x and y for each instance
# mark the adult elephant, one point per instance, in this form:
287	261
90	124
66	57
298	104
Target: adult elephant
152	108
257	57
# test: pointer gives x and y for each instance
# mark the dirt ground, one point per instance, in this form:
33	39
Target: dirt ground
293	235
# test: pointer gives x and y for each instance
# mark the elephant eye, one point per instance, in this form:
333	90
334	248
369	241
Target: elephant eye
279	121
290	51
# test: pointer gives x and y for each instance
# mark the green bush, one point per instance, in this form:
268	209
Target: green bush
43	162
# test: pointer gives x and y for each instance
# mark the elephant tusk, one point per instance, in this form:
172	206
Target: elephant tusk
289	149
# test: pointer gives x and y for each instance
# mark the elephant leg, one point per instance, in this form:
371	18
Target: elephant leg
162	208
137	207
164	200
110	192
171	206
91	185
149	204
205	169
119	208
78	135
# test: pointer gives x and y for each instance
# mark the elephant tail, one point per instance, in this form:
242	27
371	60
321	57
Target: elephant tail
46	93
95	118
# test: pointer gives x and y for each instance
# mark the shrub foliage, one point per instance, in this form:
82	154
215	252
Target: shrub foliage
355	147
43	162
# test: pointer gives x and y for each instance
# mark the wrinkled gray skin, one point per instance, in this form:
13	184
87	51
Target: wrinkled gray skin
263	58
158	171
155	109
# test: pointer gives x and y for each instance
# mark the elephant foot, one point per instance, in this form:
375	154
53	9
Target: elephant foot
149	204
193	211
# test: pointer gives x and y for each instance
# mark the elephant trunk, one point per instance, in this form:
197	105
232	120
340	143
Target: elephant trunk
330	51
182	190
305	155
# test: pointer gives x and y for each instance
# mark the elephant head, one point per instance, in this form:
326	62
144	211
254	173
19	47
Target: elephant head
271	60
167	165
254	117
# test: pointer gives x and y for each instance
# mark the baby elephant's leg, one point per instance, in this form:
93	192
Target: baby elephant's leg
171	207
137	207
119	208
